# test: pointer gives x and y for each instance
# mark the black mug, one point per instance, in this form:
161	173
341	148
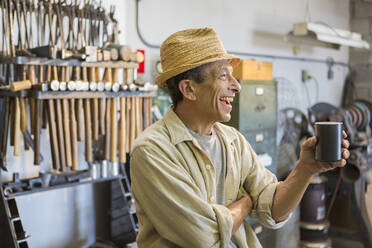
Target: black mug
329	141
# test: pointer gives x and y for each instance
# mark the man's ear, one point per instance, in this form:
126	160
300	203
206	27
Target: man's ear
187	89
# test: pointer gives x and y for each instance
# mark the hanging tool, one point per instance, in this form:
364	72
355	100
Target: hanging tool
88	124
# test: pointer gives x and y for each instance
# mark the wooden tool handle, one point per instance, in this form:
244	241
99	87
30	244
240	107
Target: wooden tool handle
139	113
53	135
84	74
115	75
108	75
101	107
97	74
80	120
66	122
102	111
94	101
60	134
88	132
54	73
122	132
76	73
44	111
23	114
17	121
79	110
36	132
32	78
74	145
128	76
12	102
107	131
20	85
31	74
66	129
48	74
63	74
114	132
132	122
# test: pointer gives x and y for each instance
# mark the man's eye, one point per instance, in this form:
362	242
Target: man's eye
223	76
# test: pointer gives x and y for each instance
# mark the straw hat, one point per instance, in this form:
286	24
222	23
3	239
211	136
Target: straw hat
190	48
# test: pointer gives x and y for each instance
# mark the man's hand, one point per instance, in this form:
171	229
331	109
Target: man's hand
307	157
240	210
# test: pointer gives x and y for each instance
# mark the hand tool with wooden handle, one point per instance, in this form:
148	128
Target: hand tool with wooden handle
4	128
31	77
107	78
122	132
79	108
102	105
37	130
60	131
114	121
132	122
17	86
16	123
74	145
108	130
66	121
88	124
94	102
22	104
44	119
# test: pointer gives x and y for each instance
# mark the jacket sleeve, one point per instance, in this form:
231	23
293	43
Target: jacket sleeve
260	183
173	203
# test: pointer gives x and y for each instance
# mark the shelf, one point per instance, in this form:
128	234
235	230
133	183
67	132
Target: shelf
23	60
88	94
76	94
4	93
61	186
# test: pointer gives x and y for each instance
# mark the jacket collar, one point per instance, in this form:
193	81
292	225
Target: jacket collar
179	132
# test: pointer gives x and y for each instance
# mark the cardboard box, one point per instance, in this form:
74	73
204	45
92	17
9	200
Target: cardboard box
253	70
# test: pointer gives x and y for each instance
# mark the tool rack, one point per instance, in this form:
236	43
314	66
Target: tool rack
123	219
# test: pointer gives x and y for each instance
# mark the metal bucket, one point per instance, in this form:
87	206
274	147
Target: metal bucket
314	232
313	203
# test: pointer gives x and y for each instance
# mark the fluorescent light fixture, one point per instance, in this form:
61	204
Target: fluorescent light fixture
321	34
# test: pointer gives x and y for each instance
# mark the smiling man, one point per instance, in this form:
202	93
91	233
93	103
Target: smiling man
194	179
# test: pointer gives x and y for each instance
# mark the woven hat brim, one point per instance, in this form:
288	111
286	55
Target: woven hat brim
163	77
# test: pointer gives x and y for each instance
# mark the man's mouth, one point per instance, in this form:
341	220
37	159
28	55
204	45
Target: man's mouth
227	99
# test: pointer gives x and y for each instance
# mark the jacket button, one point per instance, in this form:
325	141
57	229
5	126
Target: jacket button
208	167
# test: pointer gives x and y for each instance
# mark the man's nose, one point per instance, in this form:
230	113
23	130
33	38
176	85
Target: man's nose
235	85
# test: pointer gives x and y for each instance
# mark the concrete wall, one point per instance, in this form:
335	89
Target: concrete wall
70	217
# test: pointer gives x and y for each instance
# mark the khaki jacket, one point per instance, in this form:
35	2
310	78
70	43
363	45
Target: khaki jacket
174	187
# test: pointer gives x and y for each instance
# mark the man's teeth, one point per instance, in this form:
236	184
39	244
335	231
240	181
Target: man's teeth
227	99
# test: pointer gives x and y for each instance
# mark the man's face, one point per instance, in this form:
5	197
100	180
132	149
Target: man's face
215	94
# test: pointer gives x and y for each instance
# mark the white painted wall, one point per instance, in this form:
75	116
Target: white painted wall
66	218
250	27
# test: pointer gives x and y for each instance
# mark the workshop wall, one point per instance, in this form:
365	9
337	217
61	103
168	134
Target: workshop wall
256	27
361	22
67	217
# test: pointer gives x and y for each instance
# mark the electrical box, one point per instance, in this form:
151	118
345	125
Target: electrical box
254	114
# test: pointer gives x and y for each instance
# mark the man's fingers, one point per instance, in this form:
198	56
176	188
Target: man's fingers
344	134
340	163
345	143
345	153
309	143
